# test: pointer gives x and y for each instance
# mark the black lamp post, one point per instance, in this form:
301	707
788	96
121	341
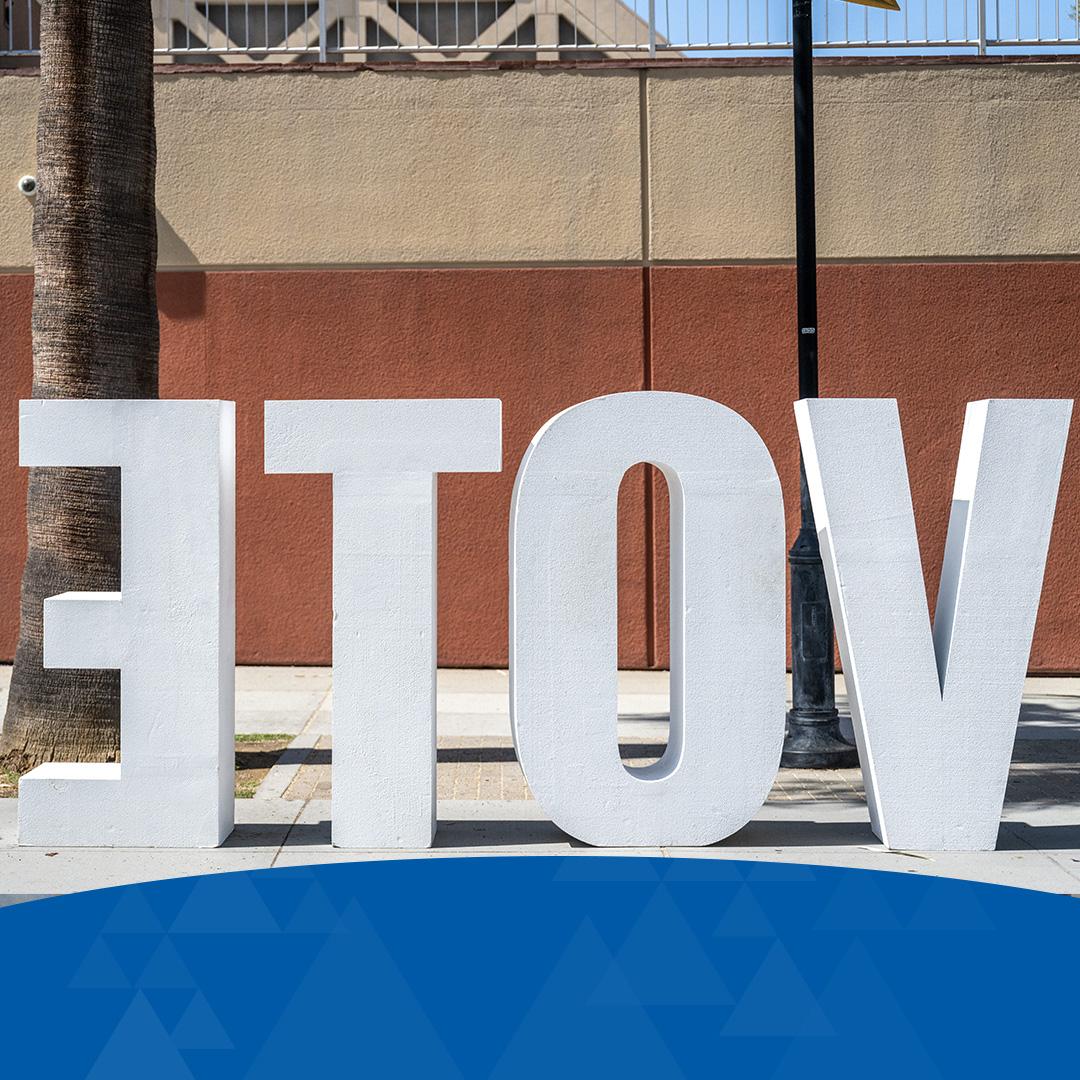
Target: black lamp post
813	738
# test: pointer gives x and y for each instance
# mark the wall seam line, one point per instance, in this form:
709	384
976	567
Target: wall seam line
649	504
643	156
593	264
646	357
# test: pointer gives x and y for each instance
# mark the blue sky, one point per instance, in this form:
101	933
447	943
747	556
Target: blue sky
763	21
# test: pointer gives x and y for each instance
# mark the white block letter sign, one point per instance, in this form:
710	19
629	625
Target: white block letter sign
727	621
384	457
934	711
169	630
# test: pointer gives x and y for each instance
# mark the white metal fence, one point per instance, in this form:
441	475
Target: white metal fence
413	30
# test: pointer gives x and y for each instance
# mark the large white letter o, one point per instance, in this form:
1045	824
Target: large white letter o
727	621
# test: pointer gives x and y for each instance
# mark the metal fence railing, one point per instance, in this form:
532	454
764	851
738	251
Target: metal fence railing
233	31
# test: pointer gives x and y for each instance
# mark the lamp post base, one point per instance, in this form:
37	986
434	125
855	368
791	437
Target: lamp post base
813	739
814	742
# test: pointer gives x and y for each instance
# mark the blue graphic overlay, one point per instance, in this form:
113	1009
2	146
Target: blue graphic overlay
522	967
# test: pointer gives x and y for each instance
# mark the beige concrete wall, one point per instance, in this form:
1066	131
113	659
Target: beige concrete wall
18	133
356	168
951	161
365	167
403	167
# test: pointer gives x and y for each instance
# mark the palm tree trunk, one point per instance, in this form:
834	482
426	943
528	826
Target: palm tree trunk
95	335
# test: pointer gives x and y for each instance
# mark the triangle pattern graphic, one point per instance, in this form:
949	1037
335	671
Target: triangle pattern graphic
664	960
867	1017
591	1035
744	918
200	1029
165	970
354	994
857	903
315	914
99	970
132	951
614	989
225	904
133	915
258	988
169	1005
282	895
778	1003
166	898
139	1036
952	906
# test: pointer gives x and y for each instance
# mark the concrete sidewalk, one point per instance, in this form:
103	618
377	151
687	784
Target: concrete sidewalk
485	807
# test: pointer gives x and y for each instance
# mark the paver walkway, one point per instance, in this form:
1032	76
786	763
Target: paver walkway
474	767
485	807
478	760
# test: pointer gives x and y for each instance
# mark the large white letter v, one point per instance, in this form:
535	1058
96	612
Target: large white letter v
935	712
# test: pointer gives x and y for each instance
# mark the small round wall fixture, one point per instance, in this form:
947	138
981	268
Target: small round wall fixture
28	185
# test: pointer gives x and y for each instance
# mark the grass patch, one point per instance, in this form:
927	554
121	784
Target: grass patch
255	756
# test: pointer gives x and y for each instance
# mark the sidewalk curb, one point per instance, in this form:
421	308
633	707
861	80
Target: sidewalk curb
282	773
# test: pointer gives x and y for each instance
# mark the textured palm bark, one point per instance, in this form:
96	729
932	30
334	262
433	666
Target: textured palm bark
95	335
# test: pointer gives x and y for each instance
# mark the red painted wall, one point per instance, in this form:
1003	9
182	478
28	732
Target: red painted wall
541	340
934	336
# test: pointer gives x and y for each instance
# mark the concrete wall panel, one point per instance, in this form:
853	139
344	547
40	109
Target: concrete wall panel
365	167
18	156
961	160
360	166
357	167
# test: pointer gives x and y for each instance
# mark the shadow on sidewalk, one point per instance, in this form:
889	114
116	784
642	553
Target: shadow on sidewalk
494	833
